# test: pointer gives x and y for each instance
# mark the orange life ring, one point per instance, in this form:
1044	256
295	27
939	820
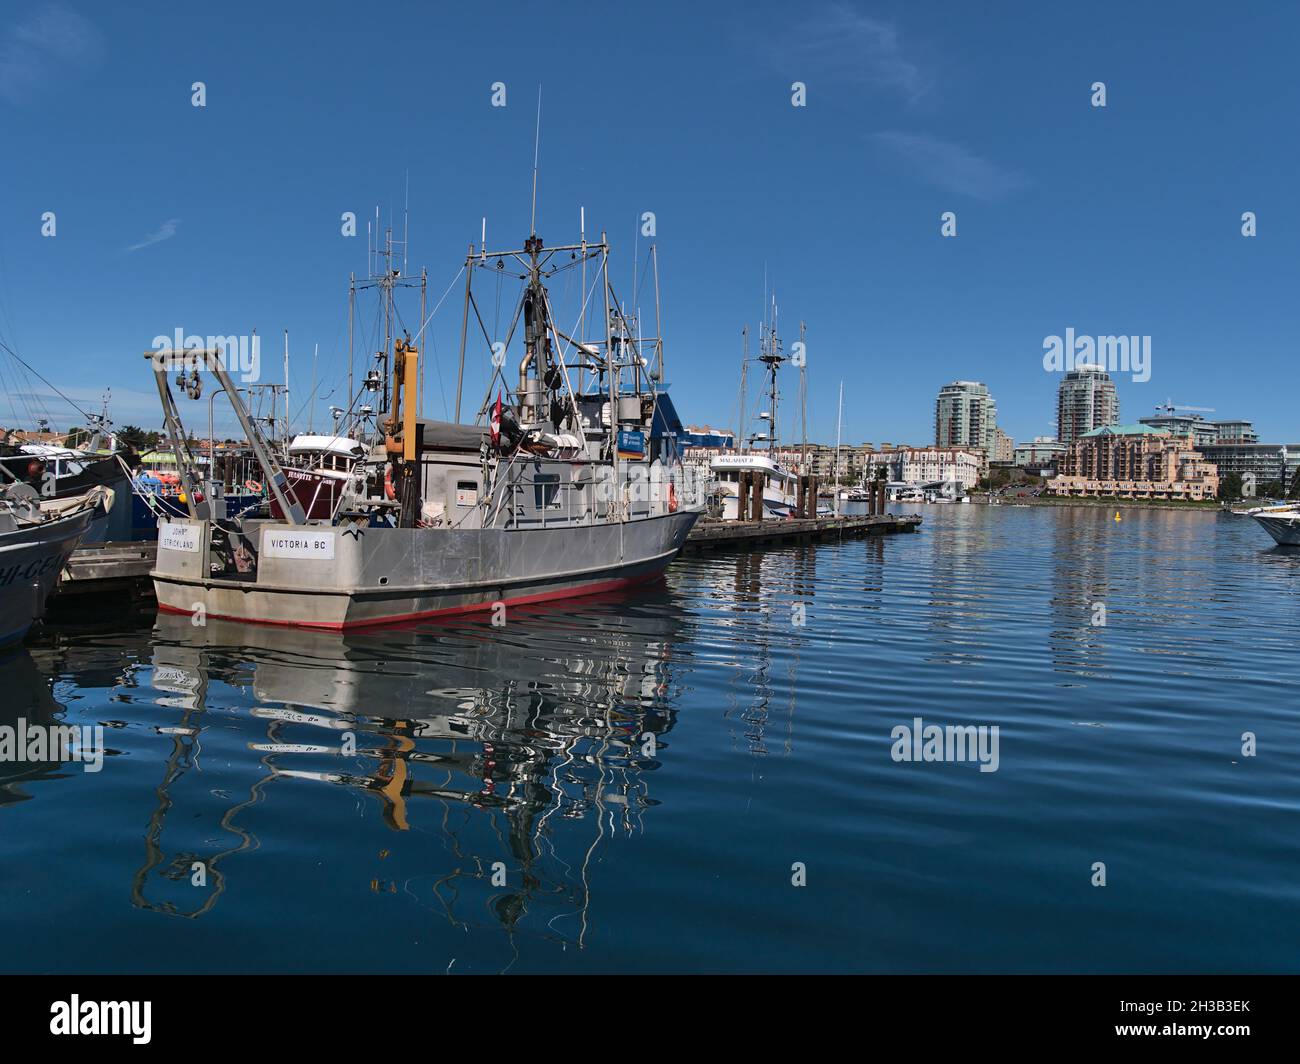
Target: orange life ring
672	498
253	486
389	493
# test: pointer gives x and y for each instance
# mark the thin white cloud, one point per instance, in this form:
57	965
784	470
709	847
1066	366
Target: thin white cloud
165	232
951	166
840	43
128	406
43	47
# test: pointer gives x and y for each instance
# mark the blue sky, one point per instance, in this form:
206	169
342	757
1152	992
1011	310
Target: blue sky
1115	220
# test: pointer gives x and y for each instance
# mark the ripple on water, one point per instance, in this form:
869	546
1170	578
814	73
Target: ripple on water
631	782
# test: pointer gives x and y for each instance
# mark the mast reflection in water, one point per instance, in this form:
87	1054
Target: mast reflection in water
520	748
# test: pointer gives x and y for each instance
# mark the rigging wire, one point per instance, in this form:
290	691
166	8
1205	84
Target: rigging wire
21	361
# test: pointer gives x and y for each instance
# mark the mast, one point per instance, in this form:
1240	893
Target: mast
839	422
464	322
744	373
352	302
803	398
424	285
776	356
609	356
659	327
537	145
771	357
286	390
582	309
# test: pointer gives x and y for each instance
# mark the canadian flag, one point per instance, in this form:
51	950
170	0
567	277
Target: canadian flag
495	427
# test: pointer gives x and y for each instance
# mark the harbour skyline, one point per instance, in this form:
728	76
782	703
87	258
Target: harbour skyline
909	114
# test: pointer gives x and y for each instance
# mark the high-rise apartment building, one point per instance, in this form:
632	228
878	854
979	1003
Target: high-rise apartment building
1086	400
965	415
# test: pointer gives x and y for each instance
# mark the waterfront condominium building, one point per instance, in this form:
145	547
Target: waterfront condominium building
820	460
928	465
1004	447
1204	433
965	415
1086	400
1267	462
1134	462
1044	452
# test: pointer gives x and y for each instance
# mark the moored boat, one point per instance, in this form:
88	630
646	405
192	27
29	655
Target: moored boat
556	491
36	540
1282	522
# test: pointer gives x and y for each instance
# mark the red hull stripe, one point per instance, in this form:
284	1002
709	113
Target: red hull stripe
397	618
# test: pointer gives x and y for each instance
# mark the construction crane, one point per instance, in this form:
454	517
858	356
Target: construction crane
1169	408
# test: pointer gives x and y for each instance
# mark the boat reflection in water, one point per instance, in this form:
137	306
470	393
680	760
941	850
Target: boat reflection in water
27	697
520	747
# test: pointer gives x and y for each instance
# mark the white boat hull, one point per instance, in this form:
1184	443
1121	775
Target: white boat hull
387	576
1284	527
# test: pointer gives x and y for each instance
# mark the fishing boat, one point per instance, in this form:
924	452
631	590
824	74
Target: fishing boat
561	487
758	454
36	538
59	471
780	486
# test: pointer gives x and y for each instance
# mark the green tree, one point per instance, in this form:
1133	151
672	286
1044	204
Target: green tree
136	439
1230	486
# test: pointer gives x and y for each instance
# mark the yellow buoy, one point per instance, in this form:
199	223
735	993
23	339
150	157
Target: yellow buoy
1116	515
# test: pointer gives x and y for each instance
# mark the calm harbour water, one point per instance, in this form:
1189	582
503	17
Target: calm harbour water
519	751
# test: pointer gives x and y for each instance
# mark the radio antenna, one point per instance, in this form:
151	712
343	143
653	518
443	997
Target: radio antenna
537	143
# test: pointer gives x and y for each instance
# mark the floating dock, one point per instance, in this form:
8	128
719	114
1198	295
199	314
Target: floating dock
109	568
747	535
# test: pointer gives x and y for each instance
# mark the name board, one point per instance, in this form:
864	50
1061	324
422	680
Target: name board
312	545
631	445
178	537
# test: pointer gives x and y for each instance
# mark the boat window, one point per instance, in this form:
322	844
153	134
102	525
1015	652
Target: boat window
546	490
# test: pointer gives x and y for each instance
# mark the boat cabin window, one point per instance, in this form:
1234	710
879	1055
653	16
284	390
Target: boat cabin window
546	491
